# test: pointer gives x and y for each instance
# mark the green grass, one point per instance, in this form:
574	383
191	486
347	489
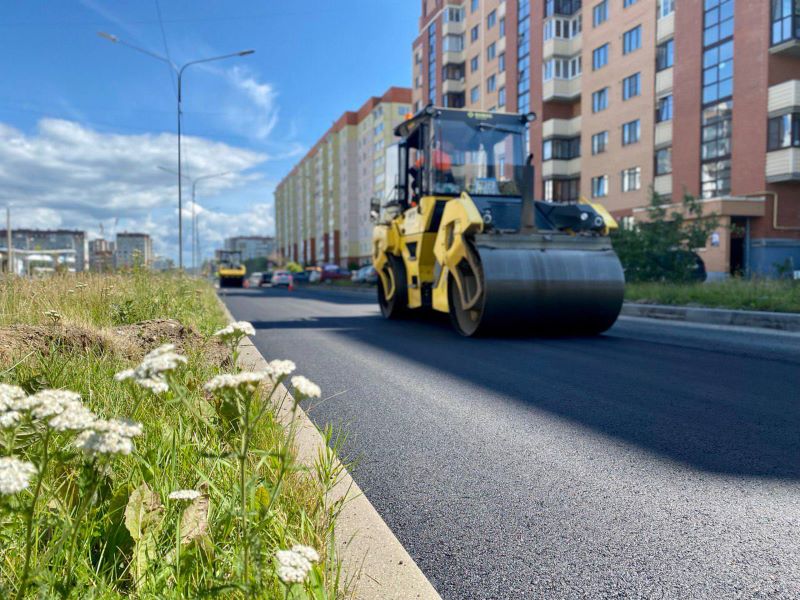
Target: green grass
188	443
734	293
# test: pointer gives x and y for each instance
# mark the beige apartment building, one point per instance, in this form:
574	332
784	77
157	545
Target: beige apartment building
618	84
322	206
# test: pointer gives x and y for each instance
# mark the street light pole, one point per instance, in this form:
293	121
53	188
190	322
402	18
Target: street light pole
9	241
179	72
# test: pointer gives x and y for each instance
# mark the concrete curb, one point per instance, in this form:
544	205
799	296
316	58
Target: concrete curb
374	561
691	314
714	316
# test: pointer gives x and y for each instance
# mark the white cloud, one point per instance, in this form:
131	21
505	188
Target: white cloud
260	115
67	175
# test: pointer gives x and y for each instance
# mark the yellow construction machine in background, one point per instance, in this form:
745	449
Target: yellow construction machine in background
230	270
462	234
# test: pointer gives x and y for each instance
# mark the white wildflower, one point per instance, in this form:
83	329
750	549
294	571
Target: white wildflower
306	552
155	385
109	437
9	394
54	315
124	427
9	418
15	475
150	373
236	330
227	381
293	567
123	375
188	495
80	285
305	387
281	368
25	404
75	418
54	402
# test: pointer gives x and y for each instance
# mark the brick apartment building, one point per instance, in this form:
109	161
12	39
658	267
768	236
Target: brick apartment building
681	95
322	206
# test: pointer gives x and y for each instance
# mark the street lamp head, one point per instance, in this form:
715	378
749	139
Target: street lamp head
108	36
246	52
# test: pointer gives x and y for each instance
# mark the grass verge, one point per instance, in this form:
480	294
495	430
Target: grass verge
734	293
88	507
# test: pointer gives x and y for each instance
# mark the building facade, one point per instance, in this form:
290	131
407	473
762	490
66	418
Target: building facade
251	246
64	247
101	255
617	84
132	249
322	206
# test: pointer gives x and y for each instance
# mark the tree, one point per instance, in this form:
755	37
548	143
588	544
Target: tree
662	247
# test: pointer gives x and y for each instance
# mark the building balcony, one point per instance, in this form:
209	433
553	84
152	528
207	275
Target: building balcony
784	96
664	81
785	37
501	45
501	10
665	28
561	90
561	168
561	128
783	165
663	134
454	28
562	47
449	58
454	86
662	185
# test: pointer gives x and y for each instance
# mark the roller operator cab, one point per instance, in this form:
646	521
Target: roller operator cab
230	270
461	233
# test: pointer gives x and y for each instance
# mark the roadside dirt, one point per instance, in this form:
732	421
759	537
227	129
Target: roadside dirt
128	341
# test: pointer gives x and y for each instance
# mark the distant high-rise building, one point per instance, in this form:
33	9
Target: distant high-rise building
101	255
674	95
251	246
72	243
132	249
322	206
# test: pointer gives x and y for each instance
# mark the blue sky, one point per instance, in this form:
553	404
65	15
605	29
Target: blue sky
85	123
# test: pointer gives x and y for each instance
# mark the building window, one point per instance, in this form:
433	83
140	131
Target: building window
600	57
561	148
562	28
665	55
475	94
491	52
664	109
474	33
501	62
491	19
664	161
718	72
453	43
502	27
561	68
501	97
561	7
599	142
632	179
453	72
453	14
600	100
631	86
627	3
523	56
600	13
717	21
432	63
474	63
716	178
600	186
632	40
665	8
631	132
491	83
562	190
716	149
783	132
785	20
474	5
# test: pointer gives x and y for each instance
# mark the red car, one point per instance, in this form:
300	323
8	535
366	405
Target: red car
331	272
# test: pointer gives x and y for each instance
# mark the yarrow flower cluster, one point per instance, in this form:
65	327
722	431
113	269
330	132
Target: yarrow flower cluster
10	396
109	437
187	495
246	381
281	368
15	475
151	373
305	387
235	331
53	315
62	409
294	564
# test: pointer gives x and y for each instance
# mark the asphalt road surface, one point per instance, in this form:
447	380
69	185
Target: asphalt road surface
656	461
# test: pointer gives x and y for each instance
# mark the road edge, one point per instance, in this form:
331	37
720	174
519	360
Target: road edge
374	561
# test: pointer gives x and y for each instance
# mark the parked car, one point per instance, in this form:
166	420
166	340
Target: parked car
365	274
314	275
333	272
282	279
266	279
255	279
301	277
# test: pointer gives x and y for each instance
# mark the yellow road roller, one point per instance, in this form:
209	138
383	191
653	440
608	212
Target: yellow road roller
460	232
230	270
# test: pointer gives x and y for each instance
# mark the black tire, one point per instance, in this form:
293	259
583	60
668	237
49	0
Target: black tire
465	322
398	305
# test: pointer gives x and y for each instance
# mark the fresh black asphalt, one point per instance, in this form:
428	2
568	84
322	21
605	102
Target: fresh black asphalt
656	461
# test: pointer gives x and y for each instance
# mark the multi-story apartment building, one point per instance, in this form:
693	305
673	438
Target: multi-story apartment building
65	247
101	255
132	249
251	246
617	84
322	206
